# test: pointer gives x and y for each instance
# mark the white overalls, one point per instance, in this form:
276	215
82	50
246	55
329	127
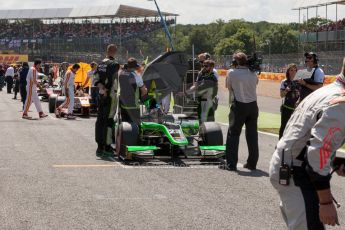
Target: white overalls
313	134
31	89
69	85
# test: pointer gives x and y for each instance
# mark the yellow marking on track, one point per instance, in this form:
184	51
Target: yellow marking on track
86	166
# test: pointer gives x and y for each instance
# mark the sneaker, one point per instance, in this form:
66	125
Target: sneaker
247	166
99	152
70	117
108	153
25	116
225	167
43	115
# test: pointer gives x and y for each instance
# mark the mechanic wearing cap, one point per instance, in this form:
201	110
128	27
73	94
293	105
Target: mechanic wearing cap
31	89
203	57
207	88
315	81
131	89
107	83
69	91
312	136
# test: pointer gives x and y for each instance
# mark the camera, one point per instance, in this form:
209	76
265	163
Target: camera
294	85
254	63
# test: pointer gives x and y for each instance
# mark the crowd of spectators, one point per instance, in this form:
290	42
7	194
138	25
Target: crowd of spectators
332	26
87	29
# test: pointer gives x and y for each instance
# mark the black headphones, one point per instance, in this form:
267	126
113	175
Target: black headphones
315	58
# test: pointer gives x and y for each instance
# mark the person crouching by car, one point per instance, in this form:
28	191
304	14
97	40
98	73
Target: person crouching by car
289	91
131	88
69	91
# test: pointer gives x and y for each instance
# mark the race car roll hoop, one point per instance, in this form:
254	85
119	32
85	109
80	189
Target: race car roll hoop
159	135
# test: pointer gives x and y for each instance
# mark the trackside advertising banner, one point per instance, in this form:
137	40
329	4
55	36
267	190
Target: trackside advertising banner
13	58
278	76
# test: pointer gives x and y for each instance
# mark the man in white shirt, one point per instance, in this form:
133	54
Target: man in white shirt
31	89
9	78
315	81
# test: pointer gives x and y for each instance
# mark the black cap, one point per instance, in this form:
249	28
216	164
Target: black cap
132	63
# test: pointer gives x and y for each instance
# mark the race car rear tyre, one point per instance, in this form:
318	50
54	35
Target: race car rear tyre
52	103
211	134
60	100
85	111
128	135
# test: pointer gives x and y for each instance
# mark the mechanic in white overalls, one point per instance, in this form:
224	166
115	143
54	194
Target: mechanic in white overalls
31	89
312	136
69	91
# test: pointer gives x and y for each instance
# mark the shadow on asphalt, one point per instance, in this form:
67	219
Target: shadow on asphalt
254	173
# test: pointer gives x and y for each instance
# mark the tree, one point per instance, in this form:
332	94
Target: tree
229	46
246	36
281	38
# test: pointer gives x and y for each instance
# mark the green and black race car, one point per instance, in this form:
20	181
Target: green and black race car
176	135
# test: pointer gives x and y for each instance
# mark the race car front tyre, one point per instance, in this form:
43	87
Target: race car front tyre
211	134
52	103
128	135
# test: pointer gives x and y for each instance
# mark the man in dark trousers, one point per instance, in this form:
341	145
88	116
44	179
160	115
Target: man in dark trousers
2	77
22	81
9	75
107	83
242	83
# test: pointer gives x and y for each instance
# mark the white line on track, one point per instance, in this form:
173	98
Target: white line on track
275	135
116	162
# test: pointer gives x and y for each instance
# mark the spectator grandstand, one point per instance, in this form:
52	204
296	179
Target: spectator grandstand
85	29
75	34
338	25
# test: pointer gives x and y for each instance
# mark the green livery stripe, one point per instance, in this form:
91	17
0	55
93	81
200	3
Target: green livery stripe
213	147
182	140
141	148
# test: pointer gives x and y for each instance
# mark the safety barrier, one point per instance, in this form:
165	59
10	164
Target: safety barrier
277	76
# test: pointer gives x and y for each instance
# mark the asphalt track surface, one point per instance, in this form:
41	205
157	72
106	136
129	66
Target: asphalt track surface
50	178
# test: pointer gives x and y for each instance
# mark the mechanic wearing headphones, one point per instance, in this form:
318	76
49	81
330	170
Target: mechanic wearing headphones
206	87
315	81
132	88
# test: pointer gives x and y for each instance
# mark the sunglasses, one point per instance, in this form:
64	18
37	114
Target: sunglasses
206	66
